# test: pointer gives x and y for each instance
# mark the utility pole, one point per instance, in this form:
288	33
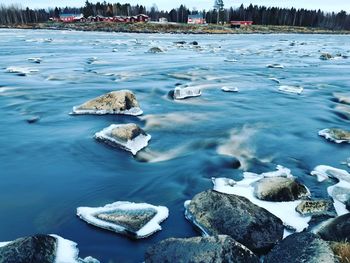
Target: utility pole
219	7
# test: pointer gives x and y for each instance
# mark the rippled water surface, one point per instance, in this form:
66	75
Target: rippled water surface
50	167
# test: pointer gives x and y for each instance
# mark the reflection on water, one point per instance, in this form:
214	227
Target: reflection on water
52	165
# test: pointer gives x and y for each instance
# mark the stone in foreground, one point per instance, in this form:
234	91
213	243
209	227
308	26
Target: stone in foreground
280	189
299	248
188	92
126	136
137	220
316	208
216	213
337	229
41	249
336	135
214	249
115	102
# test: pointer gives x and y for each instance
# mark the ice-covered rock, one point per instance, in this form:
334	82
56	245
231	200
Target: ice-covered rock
21	70
275	66
316	208
229	89
187	92
213	249
335	229
283	210
216	213
326	56
291	89
301	247
336	135
43	249
340	191
35	60
115	102
155	50
126	136
138	220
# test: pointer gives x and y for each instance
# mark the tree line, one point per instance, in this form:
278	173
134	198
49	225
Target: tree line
260	15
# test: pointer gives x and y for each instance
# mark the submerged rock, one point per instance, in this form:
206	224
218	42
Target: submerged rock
214	249
155	50
299	248
216	213
41	249
335	135
316	208
183	93
337	229
33	119
136	220
229	89
291	89
126	136
115	102
326	56
280	189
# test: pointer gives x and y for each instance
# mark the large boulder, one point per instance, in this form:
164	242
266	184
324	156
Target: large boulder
280	189
341	251
214	249
337	229
336	135
301	248
39	248
115	102
217	213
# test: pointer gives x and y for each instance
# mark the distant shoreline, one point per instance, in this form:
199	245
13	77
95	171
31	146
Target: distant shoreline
172	28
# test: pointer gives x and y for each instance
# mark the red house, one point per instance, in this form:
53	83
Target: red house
238	24
142	18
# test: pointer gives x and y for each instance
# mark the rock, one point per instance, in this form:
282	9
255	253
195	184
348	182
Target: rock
280	189
180	42
39	248
337	229
214	249
291	89
216	213
115	102
155	50
326	56
301	248
229	89
336	135
33	119
35	60
347	204
316	208
137	220
341	251
194	43
126	136
275	66
187	92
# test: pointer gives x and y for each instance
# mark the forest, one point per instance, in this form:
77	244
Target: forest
260	15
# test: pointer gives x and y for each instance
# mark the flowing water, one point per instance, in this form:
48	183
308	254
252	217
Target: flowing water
50	167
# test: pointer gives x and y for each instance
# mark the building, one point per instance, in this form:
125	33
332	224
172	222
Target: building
70	18
239	24
163	20
142	18
196	19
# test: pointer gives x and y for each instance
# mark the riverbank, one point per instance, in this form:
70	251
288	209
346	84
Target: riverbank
174	28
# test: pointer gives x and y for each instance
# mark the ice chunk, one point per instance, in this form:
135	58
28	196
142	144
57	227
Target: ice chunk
138	220
284	210
35	60
335	135
21	70
291	89
127	136
183	93
229	89
67	251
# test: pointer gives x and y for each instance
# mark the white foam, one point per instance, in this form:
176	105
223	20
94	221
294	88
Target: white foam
88	215
283	210
67	251
2	244
291	89
135	111
327	134
21	70
187	92
133	146
324	172
229	89
34	60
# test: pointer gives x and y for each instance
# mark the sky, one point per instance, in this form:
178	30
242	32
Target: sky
326	5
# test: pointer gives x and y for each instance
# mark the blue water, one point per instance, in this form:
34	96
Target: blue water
51	167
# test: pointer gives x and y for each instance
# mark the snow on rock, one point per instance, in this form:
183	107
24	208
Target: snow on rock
21	70
35	60
283	210
138	220
335	135
127	136
187	92
115	102
275	66
291	89
340	192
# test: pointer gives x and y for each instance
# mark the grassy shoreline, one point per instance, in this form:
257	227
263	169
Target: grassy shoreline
175	28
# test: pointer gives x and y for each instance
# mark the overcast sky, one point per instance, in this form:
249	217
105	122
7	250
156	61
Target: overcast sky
327	5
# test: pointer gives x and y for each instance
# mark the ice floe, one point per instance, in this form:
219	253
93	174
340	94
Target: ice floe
340	192
291	89
21	70
126	136
187	92
229	89
138	220
335	135
284	210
